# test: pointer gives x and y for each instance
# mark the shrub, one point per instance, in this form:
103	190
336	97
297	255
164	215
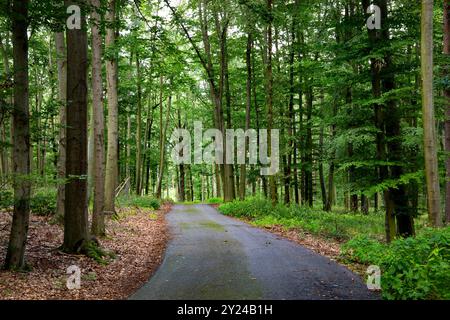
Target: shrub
413	268
43	203
145	202
315	221
250	208
6	199
215	201
168	201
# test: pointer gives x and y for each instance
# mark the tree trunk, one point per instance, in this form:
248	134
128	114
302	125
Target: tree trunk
98	219
248	60
272	182
4	158
181	179
75	210
447	108
62	97
112	158
162	142
429	123
138	127
15	256
321	174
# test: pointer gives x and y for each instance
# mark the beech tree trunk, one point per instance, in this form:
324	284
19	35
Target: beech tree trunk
15	256
447	108
76	234
98	218
138	127
112	157
62	96
272	181
429	123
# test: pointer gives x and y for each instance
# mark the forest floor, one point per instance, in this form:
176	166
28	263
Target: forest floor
136	241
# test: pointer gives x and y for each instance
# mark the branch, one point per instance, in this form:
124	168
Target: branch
197	51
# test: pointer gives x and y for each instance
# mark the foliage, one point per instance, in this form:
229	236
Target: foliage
214	201
413	268
95	252
43	203
339	226
140	202
6	199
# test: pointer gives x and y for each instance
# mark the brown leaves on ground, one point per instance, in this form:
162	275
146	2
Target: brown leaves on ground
324	247
138	240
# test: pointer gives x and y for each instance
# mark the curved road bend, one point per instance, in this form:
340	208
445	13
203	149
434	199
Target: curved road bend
213	257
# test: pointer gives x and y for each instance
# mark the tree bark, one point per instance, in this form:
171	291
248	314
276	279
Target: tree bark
429	123
112	158
76	234
447	108
272	182
98	219
62	96
138	127
15	256
162	142
248	60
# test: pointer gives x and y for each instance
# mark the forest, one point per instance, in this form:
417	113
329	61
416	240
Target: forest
348	100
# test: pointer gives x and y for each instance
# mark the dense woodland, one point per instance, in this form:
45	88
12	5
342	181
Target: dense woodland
86	114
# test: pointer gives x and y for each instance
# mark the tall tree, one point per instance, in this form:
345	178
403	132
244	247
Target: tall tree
399	220
112	158
139	126
15	256
430	141
76	235
269	88
447	107
98	219
61	60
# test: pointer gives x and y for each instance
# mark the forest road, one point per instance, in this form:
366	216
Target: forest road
212	257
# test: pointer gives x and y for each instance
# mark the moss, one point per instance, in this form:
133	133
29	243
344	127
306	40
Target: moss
212	225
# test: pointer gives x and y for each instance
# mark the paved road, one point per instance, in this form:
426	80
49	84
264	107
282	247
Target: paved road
215	257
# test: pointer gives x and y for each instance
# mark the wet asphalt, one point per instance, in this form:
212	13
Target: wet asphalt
214	257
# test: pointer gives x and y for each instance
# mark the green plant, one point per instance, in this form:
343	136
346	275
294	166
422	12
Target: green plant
101	256
327	224
214	201
146	202
6	199
43	203
413	268
168	201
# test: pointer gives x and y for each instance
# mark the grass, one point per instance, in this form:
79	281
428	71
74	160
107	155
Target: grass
145	202
339	226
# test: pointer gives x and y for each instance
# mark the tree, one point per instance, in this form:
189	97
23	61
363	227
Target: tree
112	158
98	219
61	59
447	107
269	88
76	235
399	220
430	147
15	256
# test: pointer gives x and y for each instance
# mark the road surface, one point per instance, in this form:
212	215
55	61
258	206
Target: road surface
212	256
